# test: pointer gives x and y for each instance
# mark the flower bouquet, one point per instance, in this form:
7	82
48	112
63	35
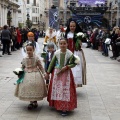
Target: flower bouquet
20	73
79	37
77	59
43	55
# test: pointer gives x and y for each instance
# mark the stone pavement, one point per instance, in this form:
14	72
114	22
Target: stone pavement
98	100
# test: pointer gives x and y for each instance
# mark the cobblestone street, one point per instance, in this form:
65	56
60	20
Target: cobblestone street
98	100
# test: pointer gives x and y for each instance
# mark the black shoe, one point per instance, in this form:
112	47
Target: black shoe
9	54
0	55
103	54
30	106
64	113
35	104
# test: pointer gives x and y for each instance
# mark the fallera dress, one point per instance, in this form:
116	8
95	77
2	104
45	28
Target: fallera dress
79	71
62	91
33	86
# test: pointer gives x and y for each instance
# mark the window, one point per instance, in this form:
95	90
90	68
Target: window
28	1
34	2
19	11
33	10
55	2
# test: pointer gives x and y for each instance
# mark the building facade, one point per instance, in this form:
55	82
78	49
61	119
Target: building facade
22	13
35	12
63	13
9	13
112	13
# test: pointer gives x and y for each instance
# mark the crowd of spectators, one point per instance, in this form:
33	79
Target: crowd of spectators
12	38
105	40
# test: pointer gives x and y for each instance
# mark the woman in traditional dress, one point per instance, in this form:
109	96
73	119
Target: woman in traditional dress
62	92
50	37
79	72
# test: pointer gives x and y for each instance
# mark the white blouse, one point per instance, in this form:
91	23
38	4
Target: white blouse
70	35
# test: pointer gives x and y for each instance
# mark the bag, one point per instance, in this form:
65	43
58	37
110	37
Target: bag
107	41
11	42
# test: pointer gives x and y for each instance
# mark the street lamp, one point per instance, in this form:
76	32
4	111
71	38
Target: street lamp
28	20
39	24
9	17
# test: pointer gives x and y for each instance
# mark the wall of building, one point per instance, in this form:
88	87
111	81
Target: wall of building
22	13
64	13
35	11
13	8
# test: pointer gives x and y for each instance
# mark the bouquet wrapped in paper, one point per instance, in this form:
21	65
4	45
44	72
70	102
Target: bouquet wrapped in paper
77	59
79	37
20	73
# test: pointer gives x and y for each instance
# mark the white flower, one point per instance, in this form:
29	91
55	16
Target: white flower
83	36
17	71
80	34
77	60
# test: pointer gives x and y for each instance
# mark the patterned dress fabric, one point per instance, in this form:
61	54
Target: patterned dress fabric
79	71
62	92
33	86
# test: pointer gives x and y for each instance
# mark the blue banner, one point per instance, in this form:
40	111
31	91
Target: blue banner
87	19
53	18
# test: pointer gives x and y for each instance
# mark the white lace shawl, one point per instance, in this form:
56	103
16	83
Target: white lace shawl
67	56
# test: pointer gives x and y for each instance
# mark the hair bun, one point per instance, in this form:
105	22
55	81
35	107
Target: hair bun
30	34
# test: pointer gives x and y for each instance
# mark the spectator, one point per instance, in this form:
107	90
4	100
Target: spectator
6	39
0	39
114	36
18	38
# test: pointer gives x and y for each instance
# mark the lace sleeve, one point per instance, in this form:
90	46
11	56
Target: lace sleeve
39	65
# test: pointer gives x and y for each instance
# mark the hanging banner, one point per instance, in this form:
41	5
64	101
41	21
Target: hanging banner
87	19
53	18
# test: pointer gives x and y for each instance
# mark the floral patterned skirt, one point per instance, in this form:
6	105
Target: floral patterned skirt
64	103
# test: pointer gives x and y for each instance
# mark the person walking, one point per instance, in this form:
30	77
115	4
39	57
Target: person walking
31	87
62	92
48	57
79	72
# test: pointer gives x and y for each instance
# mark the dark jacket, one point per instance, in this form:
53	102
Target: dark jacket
5	35
47	62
